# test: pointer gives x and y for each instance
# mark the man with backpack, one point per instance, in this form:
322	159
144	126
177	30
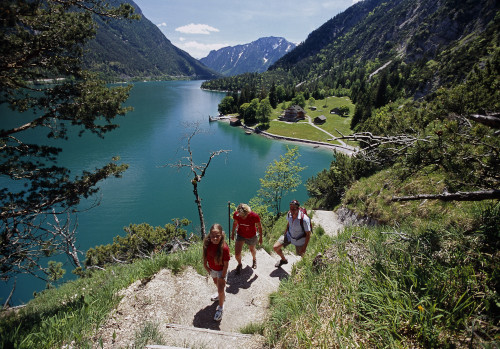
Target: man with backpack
297	233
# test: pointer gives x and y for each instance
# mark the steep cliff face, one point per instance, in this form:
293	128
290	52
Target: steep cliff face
407	29
256	56
138	49
329	32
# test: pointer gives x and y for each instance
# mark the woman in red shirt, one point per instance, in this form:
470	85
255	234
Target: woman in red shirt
248	223
216	261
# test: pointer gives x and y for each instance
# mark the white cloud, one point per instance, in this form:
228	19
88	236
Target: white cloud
196	29
162	24
355	1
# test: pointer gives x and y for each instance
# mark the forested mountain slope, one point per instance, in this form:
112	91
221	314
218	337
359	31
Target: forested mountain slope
409	30
443	39
423	44
126	49
327	33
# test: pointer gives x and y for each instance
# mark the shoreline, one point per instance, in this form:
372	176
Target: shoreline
322	145
318	144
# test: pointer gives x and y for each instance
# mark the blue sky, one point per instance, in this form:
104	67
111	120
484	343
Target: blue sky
199	26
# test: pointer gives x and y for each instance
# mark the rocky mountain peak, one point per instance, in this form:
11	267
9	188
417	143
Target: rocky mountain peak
256	56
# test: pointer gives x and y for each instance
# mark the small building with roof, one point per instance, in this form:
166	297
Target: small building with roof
320	119
293	114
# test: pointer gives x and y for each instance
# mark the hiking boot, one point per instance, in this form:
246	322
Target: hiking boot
218	314
215	297
280	263
254	264
238	269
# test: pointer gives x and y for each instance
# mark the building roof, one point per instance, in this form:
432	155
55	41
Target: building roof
297	108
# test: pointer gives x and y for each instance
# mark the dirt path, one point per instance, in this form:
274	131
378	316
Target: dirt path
180	307
328	220
342	143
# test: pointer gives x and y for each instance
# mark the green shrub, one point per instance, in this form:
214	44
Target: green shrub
141	240
327	188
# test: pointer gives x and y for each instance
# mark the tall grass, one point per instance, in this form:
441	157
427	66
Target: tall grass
148	333
73	312
419	287
425	288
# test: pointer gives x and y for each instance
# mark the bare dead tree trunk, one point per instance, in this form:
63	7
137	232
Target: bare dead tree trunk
198	172
198	204
492	120
7	302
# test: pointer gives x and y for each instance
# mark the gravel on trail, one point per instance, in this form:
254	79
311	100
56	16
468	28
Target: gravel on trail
179	306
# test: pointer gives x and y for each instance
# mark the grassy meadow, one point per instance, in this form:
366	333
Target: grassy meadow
333	125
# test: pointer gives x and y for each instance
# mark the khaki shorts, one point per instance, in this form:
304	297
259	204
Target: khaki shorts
217	274
251	241
285	242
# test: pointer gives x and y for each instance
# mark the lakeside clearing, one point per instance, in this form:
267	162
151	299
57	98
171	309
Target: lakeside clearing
323	136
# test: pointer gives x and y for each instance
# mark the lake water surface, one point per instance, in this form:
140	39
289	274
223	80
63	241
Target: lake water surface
151	137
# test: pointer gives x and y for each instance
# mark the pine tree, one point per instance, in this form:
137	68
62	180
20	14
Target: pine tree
41	73
273	96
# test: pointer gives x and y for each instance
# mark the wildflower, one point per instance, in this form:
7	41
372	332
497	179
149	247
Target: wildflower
421	308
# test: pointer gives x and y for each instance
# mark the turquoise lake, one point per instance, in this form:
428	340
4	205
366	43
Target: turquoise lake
148	139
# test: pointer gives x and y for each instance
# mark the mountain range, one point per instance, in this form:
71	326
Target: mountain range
419	45
256	56
137	49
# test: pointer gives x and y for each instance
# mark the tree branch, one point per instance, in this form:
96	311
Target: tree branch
197	170
492	120
31	124
374	141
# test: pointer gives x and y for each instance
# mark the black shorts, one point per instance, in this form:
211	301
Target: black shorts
249	241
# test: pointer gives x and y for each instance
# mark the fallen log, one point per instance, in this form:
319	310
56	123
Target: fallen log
458	196
492	120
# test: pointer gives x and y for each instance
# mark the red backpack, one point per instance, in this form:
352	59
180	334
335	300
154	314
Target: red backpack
304	211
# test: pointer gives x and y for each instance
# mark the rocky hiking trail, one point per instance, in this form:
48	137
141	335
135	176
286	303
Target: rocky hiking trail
180	305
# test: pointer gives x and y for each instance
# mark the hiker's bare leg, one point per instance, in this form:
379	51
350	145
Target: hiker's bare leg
253	251
238	246
300	250
277	248
221	289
